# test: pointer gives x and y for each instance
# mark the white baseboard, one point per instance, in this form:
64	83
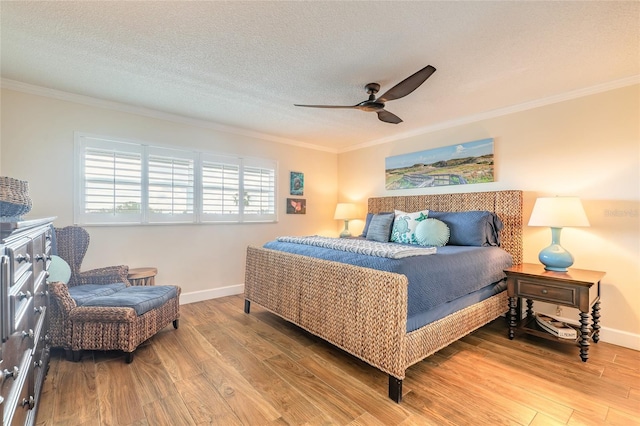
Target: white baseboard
611	335
214	293
608	335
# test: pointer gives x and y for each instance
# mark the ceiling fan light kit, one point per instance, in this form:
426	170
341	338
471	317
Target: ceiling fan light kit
398	91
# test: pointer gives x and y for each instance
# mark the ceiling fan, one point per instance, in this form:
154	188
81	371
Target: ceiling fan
398	91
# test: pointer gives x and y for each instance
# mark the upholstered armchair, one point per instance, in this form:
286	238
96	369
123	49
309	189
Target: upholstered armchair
100	309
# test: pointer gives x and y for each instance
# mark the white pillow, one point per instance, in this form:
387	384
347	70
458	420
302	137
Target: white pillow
59	270
404	226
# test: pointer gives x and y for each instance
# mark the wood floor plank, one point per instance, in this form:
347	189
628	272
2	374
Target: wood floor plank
379	406
206	406
152	380
168	411
499	381
538	378
225	367
245	401
118	396
80	375
292	406
175	358
315	390
459	386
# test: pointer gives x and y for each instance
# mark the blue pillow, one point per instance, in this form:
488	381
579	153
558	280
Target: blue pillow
471	228
368	222
380	227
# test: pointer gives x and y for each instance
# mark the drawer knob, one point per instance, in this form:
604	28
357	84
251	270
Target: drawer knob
23	258
28	334
28	402
545	291
24	295
13	373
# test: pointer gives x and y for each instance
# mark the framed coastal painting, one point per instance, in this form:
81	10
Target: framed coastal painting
460	164
296	183
296	206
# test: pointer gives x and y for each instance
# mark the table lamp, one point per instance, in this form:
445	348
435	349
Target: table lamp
556	213
346	211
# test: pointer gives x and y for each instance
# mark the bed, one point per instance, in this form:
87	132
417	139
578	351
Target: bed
364	311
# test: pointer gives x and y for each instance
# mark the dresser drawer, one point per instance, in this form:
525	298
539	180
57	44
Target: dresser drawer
17	392
547	292
21	303
20	259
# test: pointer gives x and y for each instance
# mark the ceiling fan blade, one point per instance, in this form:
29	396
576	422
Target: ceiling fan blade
326	106
407	85
387	117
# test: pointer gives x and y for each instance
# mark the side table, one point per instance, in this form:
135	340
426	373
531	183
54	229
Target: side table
577	288
142	276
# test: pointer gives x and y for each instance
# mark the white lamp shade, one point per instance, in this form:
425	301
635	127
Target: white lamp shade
346	211
558	212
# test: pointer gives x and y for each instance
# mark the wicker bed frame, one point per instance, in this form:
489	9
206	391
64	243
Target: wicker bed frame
364	311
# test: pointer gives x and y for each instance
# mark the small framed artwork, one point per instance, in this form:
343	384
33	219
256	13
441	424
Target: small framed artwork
296	206
296	180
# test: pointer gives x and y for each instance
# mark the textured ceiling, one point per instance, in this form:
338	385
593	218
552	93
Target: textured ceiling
244	64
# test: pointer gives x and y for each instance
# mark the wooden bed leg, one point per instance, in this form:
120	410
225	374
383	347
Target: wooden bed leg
395	389
247	306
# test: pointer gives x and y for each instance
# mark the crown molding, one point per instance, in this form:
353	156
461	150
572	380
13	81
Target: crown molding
147	112
152	113
604	87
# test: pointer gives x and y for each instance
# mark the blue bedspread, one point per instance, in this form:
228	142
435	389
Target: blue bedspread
453	272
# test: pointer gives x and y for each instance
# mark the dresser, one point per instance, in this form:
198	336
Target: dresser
25	249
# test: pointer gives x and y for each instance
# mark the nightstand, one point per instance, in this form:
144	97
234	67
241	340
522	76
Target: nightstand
577	288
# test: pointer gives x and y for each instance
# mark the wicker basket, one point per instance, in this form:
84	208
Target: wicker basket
14	197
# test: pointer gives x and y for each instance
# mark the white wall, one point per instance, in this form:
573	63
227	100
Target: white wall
589	147
206	260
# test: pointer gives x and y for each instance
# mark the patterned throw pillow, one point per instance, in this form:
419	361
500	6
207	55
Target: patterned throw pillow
404	226
432	233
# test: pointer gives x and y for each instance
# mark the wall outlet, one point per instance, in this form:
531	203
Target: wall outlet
558	310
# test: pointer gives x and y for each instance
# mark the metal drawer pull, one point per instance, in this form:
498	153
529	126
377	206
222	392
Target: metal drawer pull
14	373
545	291
38	363
22	295
30	402
37	310
28	334
23	258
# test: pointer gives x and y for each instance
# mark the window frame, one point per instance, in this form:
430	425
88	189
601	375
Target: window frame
84	142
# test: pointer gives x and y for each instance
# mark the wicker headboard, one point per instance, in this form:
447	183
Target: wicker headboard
506	204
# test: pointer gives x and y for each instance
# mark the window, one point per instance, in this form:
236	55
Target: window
119	182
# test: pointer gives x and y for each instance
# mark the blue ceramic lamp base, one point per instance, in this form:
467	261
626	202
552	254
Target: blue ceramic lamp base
346	233
555	257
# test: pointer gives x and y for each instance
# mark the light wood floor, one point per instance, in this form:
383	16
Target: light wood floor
228	368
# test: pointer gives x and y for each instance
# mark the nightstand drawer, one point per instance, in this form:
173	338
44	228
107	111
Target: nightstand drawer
547	292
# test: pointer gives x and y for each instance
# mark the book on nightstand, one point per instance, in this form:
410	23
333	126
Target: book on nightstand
555	327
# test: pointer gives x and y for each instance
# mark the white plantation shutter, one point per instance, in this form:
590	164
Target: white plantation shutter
121	182
111	187
259	192
220	189
170	186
